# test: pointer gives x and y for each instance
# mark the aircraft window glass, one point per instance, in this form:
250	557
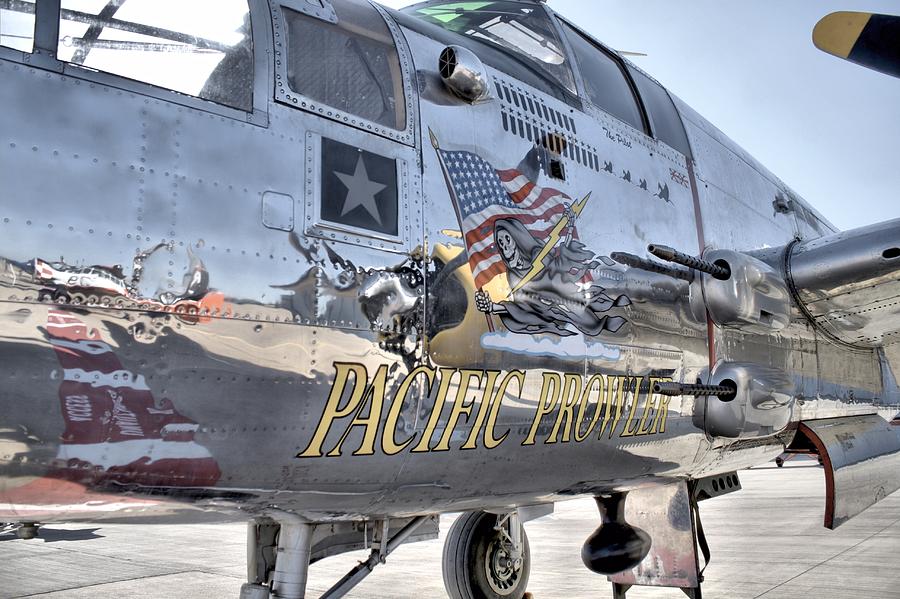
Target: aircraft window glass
17	25
518	28
606	82
198	47
667	125
352	66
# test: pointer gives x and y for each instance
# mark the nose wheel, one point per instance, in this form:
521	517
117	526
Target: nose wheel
486	557
502	570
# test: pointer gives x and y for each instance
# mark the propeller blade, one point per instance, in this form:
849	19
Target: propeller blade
867	39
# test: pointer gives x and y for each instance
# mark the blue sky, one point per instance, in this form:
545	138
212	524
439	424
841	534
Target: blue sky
826	127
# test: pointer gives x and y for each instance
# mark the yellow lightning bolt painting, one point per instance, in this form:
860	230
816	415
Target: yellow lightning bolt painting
538	264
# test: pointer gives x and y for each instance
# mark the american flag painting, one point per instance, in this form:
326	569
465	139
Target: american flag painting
116	431
483	195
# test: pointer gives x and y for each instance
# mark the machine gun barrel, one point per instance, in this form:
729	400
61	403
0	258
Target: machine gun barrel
675	389
651	266
668	254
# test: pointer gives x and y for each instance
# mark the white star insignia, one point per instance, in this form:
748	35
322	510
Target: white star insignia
361	191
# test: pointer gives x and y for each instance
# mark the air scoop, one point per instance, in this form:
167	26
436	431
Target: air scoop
464	74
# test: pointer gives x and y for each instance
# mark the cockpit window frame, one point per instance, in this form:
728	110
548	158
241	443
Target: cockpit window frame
8	50
522	57
489	54
46	38
651	123
657	119
285	95
560	22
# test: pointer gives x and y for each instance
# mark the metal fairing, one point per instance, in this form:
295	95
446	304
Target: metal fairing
182	326
848	284
667	515
861	456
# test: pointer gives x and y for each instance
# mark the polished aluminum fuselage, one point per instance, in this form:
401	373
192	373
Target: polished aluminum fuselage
99	170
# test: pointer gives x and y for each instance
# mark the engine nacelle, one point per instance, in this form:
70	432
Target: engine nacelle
761	404
848	284
753	297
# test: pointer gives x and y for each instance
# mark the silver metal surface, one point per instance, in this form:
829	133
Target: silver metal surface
760	406
666	514
189	323
849	283
464	74
278	211
254	591
320	9
753	297
292	561
716	486
282	308
533	512
861	456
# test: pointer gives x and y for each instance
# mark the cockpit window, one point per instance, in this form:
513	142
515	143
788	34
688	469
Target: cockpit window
351	65
605	79
521	29
17	25
198	47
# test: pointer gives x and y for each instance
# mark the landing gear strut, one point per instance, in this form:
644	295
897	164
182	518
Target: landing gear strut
486	557
28	530
281	546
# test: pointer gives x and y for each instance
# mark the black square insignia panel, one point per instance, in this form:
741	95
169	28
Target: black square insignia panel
359	188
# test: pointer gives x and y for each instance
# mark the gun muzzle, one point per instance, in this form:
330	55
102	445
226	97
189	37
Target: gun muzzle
651	266
668	254
676	389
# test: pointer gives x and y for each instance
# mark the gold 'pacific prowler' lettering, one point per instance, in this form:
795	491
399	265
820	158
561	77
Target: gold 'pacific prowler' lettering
615	396
389	443
582	408
628	431
333	411
446	379
570	396
486	400
375	407
460	407
546	404
489	440
649	408
373	397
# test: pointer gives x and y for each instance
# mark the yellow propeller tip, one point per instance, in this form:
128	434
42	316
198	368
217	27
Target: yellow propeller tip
838	32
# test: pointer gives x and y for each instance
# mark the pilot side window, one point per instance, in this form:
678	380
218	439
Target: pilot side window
664	117
201	48
17	25
607	86
352	66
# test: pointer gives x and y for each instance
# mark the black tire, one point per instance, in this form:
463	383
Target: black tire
470	561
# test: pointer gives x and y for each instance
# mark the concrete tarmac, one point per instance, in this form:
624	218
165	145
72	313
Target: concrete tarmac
767	542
